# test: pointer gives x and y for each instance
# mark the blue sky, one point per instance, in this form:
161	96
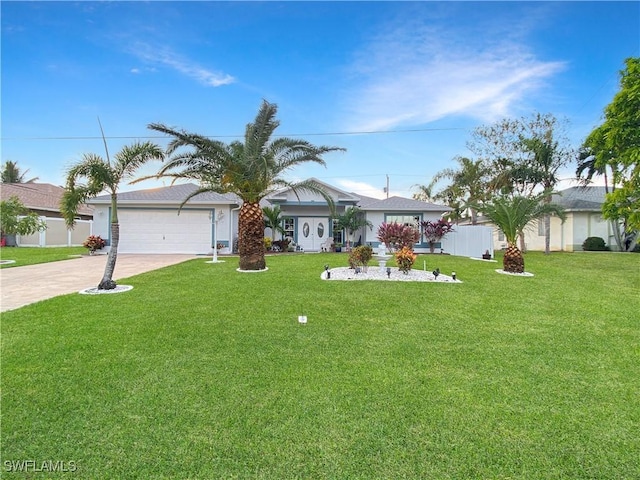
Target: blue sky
400	85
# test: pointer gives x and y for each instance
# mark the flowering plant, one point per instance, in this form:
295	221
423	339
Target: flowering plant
405	259
396	236
360	256
434	231
94	242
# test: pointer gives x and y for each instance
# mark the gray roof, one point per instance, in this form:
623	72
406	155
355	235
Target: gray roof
401	204
581	198
174	194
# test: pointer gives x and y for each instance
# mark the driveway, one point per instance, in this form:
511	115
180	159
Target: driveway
21	286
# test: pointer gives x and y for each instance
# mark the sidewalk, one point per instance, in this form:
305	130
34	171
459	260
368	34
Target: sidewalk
20	286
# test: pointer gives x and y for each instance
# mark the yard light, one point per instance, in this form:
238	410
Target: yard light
388	272
326	269
453	275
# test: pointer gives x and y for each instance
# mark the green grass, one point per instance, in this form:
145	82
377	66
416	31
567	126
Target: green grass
32	255
204	372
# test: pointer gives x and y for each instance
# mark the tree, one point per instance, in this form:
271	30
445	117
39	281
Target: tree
251	169
433	232
100	174
425	193
468	187
10	222
615	145
525	156
273	220
512	214
351	221
11	174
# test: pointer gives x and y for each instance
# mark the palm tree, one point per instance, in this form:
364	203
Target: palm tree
11	174
512	215
103	175
470	182
273	220
351	221
251	169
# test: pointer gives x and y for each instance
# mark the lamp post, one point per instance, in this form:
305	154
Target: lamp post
215	218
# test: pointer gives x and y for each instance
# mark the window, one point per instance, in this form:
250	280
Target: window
337	233
320	230
500	236
289	227
541	227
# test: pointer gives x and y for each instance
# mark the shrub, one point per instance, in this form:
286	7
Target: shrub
396	236
267	243
594	244
405	259
434	231
360	256
94	242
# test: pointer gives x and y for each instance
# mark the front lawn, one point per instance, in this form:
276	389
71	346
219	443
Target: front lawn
32	255
203	372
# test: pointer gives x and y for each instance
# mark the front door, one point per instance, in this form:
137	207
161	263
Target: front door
312	232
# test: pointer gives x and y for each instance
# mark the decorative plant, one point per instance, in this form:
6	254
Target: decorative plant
93	243
267	243
397	236
434	231
405	259
360	256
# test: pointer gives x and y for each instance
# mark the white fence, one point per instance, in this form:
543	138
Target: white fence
57	234
469	241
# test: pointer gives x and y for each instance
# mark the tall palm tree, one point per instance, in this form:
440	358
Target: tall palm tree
512	215
351	221
251	169
11	173
273	220
100	174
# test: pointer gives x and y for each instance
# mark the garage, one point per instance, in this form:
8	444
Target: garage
164	231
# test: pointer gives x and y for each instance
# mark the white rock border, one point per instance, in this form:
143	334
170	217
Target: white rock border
252	271
483	260
98	291
7	262
373	273
524	274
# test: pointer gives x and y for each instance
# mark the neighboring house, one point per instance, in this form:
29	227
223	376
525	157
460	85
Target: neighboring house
44	199
583	207
150	221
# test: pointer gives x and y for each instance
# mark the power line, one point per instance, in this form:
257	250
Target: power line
310	134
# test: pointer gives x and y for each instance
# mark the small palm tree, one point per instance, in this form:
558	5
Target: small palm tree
273	220
512	215
11	174
102	175
251	169
351	221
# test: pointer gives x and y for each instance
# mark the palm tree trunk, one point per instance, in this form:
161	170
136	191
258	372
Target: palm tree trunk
251	237
107	282
513	261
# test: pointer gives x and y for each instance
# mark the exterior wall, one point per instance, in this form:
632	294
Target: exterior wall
57	234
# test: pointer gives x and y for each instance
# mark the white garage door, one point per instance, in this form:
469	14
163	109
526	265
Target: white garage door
164	231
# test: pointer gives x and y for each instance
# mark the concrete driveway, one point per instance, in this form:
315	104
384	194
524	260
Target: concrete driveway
21	286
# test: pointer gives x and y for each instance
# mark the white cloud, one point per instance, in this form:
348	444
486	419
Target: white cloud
363	188
415	75
168	58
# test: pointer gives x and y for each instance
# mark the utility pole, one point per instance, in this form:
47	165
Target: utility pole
387	187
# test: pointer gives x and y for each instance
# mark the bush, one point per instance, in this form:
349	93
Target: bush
397	236
405	259
94	242
267	243
360	256
594	244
